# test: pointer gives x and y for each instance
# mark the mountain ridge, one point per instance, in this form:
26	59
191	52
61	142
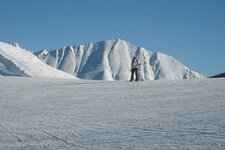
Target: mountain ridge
110	60
15	61
220	75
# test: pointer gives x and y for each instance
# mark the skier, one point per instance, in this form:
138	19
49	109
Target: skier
134	68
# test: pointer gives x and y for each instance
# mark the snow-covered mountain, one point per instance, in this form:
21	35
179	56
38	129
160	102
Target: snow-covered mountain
15	61
111	59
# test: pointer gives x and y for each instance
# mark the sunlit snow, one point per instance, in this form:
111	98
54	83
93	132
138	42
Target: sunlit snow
15	61
39	113
111	59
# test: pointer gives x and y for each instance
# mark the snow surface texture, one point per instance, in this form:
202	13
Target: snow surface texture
15	61
111	60
74	114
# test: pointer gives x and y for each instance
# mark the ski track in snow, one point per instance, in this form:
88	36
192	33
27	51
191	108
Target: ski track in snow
39	113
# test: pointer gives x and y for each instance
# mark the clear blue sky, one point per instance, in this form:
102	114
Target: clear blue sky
192	31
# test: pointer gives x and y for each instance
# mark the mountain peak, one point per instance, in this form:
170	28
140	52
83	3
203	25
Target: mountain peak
110	60
116	40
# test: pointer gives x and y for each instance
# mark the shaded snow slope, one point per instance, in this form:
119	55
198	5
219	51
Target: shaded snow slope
111	59
221	75
15	61
74	114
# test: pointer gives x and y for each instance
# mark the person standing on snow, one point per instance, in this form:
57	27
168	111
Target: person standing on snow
134	68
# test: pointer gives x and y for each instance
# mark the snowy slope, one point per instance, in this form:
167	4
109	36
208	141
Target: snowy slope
221	75
37	113
166	67
15	61
110	60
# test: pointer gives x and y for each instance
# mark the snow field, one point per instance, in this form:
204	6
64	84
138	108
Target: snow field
39	113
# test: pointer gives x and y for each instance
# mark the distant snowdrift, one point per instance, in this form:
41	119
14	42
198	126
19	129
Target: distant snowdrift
15	61
110	60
